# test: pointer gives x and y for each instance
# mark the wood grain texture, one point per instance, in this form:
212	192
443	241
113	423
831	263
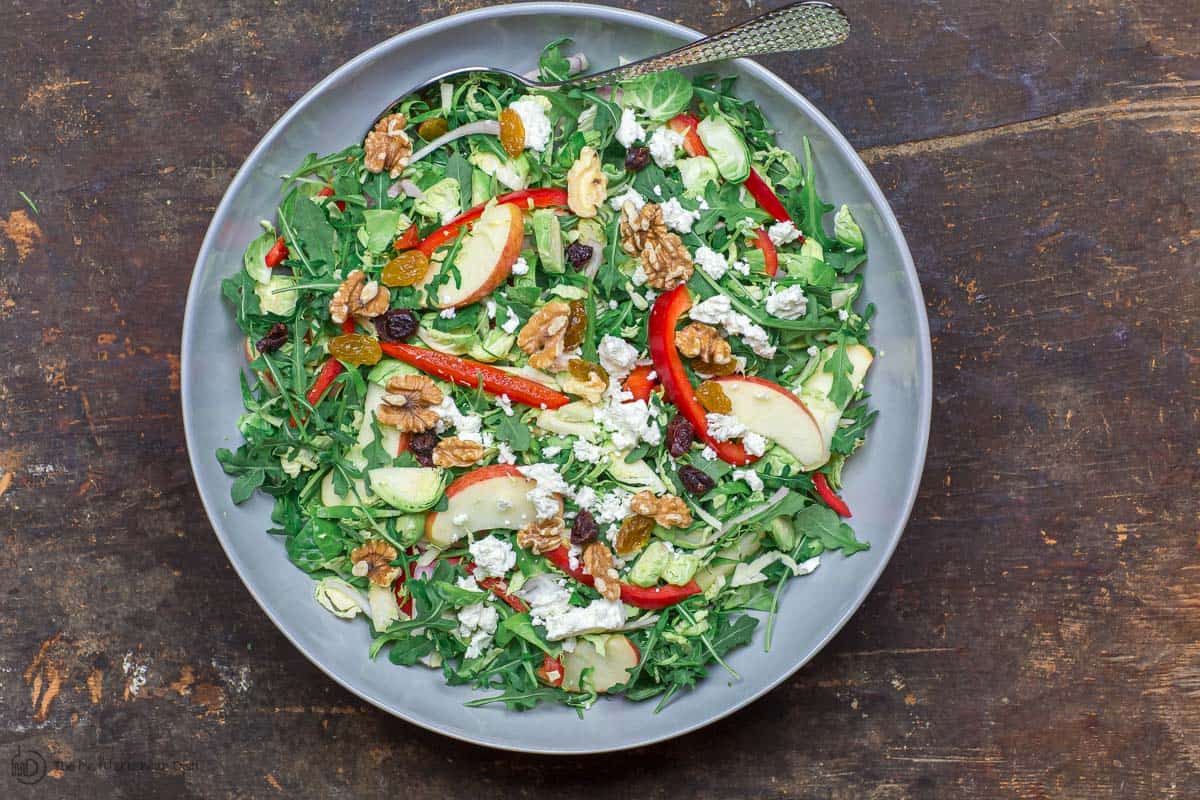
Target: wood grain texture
1037	634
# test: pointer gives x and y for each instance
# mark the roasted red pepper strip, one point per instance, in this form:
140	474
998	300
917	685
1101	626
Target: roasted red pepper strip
667	363
539	198
328	192
499	588
636	596
832	500
686	124
469	373
403	598
551	671
328	374
765	196
276	254
408	239
640	384
770	255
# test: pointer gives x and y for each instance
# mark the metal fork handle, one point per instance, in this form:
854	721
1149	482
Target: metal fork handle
800	26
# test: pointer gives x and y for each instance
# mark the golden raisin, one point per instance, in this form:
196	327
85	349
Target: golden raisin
432	128
355	349
512	132
584	370
634	534
713	398
405	269
576	325
716	370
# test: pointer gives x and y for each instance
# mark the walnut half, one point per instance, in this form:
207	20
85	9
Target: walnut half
704	342
455	452
664	257
543	335
667	509
542	535
358	297
408	404
598	562
387	146
373	560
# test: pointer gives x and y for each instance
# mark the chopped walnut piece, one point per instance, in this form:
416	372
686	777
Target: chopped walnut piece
542	535
455	452
387	146
408	404
374	560
358	297
664	258
542	337
587	185
667	510
598	562
703	342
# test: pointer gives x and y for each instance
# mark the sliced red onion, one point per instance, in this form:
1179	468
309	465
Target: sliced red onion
406	186
754	511
484	127
575	63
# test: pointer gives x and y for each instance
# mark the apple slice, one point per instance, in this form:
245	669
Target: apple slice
391	436
490	497
611	669
772	411
485	258
814	392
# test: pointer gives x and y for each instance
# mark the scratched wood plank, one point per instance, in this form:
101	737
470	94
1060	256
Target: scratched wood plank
1036	634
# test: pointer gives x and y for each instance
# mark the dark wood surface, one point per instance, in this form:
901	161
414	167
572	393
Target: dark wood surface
1037	634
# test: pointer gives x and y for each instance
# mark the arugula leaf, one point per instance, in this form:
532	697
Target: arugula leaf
512	430
825	525
520	625
838	365
245	484
310	225
553	66
406	652
459	168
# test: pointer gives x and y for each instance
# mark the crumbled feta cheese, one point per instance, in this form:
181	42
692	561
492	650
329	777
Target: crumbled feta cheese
755	445
597	617
813	351
617	356
639	276
505	454
476	626
708	454
586	498
843	314
448	313
678	218
548	489
723	427
511	322
740	267
612	507
586	451
632	196
657	190
712	262
650	295
782	233
532	111
494	557
520	266
551	451
717	310
460	519
467	426
629	131
505	404
750	477
628	423
613	305
490	307
663	144
787	303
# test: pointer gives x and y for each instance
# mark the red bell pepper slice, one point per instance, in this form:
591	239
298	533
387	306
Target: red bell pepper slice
770	254
664	316
636	596
498	587
328	192
535	198
276	254
551	671
468	373
408	239
821	483
686	124
328	374
640	384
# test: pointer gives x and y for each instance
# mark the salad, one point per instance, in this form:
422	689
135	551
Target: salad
554	391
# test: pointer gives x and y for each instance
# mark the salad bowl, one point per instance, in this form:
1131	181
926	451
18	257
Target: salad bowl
880	483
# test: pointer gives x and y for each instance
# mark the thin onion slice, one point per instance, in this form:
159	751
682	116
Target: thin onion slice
484	127
751	513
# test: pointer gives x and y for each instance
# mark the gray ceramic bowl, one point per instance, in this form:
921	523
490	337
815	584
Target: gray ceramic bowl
881	480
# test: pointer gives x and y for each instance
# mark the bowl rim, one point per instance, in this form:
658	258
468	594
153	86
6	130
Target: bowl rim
924	356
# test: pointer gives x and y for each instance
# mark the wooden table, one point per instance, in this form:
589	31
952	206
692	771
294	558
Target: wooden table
1038	632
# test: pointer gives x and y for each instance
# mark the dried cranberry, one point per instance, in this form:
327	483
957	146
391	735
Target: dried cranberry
637	158
680	434
695	481
584	528
276	338
578	254
421	445
396	325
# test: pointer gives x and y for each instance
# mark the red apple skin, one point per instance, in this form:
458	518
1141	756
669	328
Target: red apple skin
504	259
470	479
769	385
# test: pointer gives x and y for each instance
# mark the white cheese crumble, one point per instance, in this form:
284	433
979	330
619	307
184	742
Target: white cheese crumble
467	426
505	454
448	313
678	218
586	498
787	303
713	263
708	454
493	557
755	444
458	519
750	477
663	144
476	622
740	267
551	451
612	507
639	276
813	351
717	310
511	322
588	452
490	307
505	404
520	266
532	111
629	131
628	423
782	233
549	607
548	489
632	196
617	356
724	427
843	314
